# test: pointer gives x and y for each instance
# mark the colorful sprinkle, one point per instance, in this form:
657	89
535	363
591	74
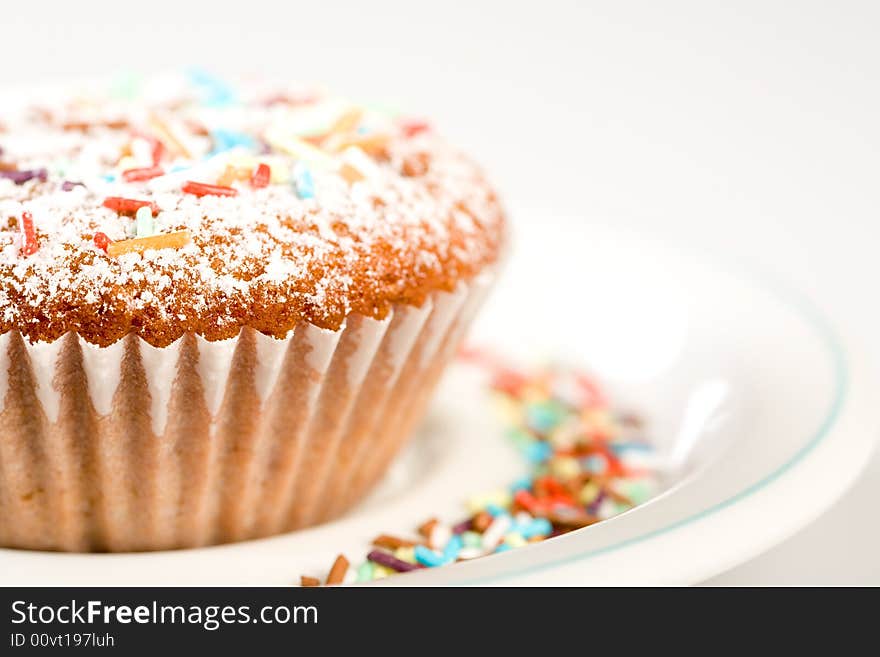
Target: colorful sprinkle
144	224
350	174
412	127
301	150
427	557
305	186
29	245
128	206
261	176
226	140
101	241
390	561
138	245
575	480
338	571
204	189
142	174
391	542
365	572
23	176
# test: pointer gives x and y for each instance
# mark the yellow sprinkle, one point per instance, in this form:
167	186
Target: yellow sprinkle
280	170
127	162
407	554
599	420
166	135
497	497
511	412
380	572
139	245
302	150
588	493
565	467
348	121
232	174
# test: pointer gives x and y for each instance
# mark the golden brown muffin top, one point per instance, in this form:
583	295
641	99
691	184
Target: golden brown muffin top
305	206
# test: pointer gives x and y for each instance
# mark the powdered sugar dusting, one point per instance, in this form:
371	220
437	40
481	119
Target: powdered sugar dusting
416	216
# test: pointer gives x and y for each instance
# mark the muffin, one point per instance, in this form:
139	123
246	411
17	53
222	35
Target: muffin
223	308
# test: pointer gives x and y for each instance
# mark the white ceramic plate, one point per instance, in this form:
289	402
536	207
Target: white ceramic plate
760	408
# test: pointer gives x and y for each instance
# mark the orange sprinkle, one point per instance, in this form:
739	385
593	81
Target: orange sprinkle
337	572
139	245
309	581
374	144
348	121
391	542
350	174
233	174
426	527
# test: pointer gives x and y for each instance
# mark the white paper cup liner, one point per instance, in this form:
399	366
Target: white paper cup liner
131	447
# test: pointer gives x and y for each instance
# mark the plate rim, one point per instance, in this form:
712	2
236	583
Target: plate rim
848	402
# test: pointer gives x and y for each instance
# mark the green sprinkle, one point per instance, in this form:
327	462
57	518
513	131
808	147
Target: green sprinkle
365	572
637	491
126	86
472	539
144	224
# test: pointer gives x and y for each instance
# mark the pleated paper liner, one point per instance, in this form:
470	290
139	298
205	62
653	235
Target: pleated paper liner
131	447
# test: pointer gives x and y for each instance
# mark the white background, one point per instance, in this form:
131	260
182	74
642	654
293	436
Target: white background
752	126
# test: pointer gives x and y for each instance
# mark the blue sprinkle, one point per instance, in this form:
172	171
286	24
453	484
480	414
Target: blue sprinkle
503	547
538	452
518	526
225	140
453	547
542	417
177	168
620	448
594	464
216	92
523	483
110	177
428	557
494	510
537	527
305	186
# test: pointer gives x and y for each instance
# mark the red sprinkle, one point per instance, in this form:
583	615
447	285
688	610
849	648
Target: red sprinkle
158	151
128	206
412	127
139	175
30	235
102	241
615	467
203	189
593	396
508	381
527	501
261	176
